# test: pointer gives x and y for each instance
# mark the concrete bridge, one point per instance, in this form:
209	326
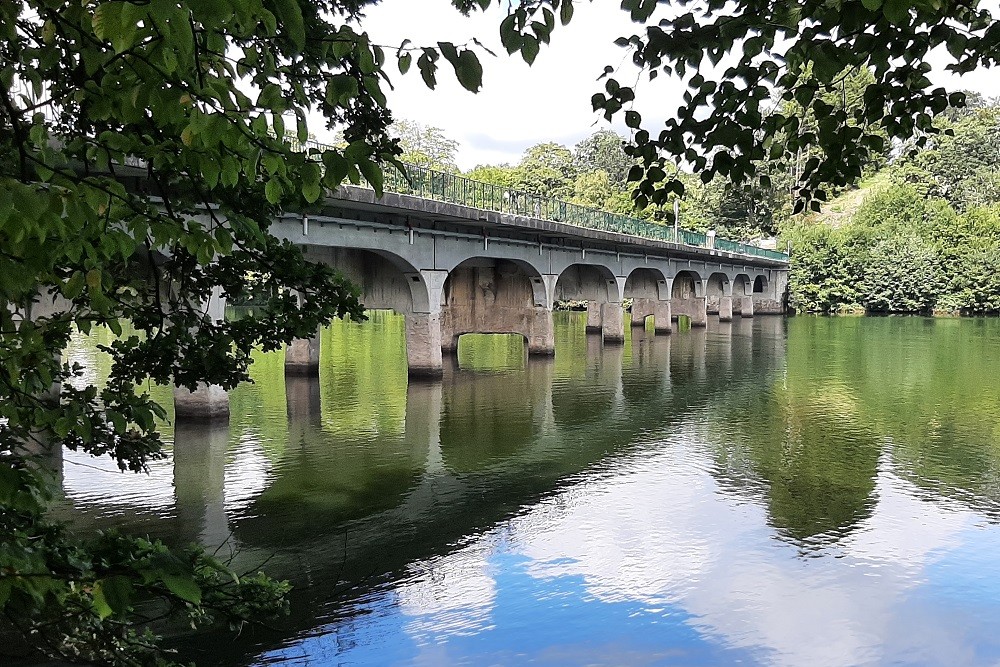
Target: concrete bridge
452	269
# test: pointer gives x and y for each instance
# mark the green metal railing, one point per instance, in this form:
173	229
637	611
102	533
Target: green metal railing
442	186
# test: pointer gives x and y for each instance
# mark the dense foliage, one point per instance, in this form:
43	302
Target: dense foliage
925	238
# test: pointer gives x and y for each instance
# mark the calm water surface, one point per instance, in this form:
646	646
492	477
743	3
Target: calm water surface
771	492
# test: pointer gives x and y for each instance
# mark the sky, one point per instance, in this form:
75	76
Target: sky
520	106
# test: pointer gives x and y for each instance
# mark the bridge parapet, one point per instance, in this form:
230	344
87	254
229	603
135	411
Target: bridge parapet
454	189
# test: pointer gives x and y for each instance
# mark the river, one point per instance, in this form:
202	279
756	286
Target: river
803	491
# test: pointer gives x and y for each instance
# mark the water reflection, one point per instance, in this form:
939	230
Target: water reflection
812	491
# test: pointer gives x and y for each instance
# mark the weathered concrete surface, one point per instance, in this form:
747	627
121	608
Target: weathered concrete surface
593	317
694	307
495	298
302	357
613	323
661	317
206	403
763	305
660	310
423	345
746	306
725	309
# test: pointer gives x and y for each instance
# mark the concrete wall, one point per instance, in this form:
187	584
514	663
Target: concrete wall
494	297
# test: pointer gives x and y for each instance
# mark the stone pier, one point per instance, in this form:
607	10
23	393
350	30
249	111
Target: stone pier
659	309
746	306
423	345
725	309
302	357
206	402
695	307
613	323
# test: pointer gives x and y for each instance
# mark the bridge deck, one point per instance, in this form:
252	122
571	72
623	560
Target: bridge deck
420	212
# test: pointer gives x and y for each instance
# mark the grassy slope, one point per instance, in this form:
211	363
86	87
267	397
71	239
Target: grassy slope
839	210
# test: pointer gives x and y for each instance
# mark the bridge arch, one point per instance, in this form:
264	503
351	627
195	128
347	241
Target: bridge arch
687	297
649	290
742	285
387	281
688	283
760	284
599	287
717	287
496	296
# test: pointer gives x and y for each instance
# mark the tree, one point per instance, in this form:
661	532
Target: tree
425	146
604	150
547	169
205	105
726	125
503	175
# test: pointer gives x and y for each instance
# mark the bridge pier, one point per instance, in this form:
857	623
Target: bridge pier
695	307
594	317
302	357
542	340
660	310
423	345
725	309
206	402
491	296
746	306
613	323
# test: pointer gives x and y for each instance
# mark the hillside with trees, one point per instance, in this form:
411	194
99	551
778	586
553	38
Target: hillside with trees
924	237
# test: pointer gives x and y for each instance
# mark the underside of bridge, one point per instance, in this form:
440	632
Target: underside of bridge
650	294
598	286
484	295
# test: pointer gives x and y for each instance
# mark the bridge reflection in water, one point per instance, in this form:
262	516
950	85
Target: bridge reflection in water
665	490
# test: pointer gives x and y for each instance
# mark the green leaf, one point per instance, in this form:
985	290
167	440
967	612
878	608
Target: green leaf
117	592
100	603
311	189
273	190
469	71
897	11
566	12
405	61
290	17
372	173
509	35
427	68
529	49
183	586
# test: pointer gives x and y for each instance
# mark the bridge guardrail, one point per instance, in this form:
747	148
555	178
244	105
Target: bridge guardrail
454	189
